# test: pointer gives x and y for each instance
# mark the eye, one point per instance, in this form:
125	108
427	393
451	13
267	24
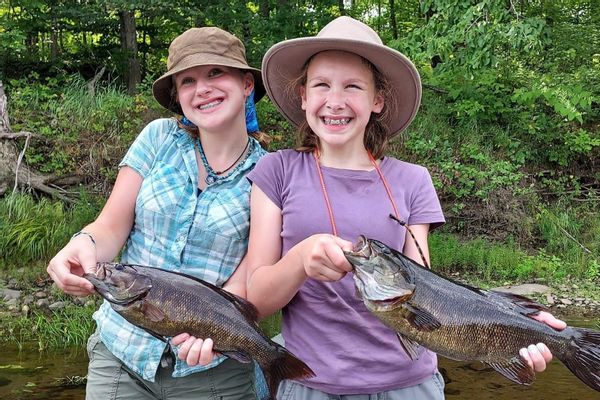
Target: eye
119	267
354	86
215	72
186	80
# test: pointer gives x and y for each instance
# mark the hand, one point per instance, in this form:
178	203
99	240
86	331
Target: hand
323	257
68	266
193	350
538	356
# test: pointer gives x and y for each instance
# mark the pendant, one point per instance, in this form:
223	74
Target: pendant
210	179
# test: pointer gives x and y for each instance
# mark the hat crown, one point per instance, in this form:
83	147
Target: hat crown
207	40
346	28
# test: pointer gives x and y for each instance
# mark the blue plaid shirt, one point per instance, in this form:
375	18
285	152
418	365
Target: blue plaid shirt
177	229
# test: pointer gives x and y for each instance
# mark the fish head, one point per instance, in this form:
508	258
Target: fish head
119	284
379	281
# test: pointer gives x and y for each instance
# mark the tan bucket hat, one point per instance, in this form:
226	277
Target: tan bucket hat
203	46
284	62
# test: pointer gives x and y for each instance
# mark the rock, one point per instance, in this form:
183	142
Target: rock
566	302
59	305
90	303
42	303
549	299
8	294
12	303
13	283
525	289
28	299
25	310
41	294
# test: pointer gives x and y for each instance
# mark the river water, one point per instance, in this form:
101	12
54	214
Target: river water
33	375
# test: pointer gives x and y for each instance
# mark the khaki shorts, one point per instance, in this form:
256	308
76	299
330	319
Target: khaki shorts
431	389
109	379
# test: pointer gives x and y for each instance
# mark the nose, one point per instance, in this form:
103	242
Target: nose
335	101
203	88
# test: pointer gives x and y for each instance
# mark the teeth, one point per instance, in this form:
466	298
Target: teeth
210	105
336	121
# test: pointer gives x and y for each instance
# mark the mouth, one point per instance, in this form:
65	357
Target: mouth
208	106
332	121
361	248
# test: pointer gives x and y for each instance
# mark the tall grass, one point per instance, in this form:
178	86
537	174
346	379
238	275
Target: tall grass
68	327
33	230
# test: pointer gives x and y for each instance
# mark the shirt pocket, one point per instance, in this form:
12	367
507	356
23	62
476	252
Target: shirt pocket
163	190
229	214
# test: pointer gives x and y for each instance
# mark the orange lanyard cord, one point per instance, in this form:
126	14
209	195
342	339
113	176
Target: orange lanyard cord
325	195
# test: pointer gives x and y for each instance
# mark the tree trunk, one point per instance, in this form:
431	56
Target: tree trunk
14	173
133	74
393	20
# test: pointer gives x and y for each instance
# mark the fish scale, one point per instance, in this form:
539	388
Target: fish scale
462	322
167	303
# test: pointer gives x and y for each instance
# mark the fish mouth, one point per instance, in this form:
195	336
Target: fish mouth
107	283
361	248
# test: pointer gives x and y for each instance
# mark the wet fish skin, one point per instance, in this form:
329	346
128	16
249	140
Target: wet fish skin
463	322
166	303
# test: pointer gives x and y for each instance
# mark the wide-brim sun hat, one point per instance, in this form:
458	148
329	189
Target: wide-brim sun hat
203	46
284	61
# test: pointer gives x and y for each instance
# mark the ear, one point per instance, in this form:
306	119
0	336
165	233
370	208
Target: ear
248	83
378	103
303	97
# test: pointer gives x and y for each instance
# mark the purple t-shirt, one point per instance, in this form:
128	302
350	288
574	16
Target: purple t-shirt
325	324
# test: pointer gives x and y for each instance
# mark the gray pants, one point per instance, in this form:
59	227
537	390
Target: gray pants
431	389
109	379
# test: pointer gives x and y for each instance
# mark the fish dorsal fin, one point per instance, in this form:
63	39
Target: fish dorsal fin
516	370
421	319
518	303
153	313
411	347
247	309
238	356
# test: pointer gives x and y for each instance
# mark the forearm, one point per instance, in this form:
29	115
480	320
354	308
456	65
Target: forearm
271	287
108	239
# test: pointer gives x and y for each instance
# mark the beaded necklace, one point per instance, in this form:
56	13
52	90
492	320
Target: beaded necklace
213	176
395	216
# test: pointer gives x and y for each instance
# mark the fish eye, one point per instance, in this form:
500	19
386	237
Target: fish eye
119	267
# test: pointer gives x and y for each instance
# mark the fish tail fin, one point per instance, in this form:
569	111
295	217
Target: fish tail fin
284	366
583	356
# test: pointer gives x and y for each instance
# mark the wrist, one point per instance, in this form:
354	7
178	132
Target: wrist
84	233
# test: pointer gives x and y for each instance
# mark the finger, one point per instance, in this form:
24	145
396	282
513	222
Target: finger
537	360
206	353
545	352
551	320
184	348
178	339
193	356
337	259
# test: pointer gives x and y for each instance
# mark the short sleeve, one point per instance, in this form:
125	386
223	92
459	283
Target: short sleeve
142	152
425	205
268	176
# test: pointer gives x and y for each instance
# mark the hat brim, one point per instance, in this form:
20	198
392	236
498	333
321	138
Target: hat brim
284	61
162	87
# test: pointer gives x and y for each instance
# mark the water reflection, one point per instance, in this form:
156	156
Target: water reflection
32	375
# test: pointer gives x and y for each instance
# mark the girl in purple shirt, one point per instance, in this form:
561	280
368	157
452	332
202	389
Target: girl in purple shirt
348	94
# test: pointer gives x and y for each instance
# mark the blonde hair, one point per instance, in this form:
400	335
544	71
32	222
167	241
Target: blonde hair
377	131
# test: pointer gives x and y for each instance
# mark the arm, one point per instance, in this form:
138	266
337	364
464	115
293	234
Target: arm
273	281
110	230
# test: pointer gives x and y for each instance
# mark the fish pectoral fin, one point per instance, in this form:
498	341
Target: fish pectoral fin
153	313
421	319
516	370
238	356
410	346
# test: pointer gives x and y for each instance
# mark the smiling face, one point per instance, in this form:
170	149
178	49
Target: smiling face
339	97
213	96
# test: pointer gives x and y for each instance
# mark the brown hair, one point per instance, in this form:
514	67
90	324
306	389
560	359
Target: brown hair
377	132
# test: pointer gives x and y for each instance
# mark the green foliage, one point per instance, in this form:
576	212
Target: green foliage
32	230
69	327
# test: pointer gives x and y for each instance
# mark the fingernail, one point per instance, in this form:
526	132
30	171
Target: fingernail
523	353
532	347
541	347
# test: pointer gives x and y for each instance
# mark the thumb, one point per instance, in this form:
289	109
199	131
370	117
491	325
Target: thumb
88	264
344	244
